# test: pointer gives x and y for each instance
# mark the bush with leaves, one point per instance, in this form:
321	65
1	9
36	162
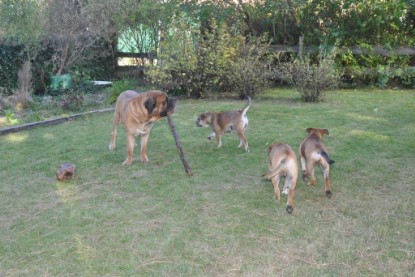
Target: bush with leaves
189	61
312	79
118	87
11	60
196	63
251	71
375	70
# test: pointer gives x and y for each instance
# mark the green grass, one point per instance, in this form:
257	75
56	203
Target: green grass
153	220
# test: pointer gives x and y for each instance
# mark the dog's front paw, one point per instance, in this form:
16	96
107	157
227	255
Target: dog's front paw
305	176
111	146
144	160
277	195
329	194
127	162
289	209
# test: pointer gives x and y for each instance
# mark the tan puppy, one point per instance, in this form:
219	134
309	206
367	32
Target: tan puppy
283	162
138	112
312	153
222	122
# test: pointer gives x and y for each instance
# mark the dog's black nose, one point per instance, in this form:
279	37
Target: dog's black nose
171	104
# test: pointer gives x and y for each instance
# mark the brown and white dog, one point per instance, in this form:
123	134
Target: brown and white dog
283	162
312	153
222	122
138	112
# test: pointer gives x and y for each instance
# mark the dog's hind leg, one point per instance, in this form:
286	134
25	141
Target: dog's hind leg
242	140
275	183
310	172
286	187
325	166
115	123
292	182
291	169
241	129
303	168
290	186
112	141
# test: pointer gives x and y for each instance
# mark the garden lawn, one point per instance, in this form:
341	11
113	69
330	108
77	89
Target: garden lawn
154	220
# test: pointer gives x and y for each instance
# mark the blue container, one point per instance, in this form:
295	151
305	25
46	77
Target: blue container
60	81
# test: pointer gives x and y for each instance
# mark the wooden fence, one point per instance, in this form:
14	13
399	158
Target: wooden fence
356	50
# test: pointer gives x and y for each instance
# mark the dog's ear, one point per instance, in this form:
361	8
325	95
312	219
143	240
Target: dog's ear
150	104
325	131
309	130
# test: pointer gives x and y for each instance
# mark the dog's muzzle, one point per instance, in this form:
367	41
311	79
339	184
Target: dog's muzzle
171	104
198	124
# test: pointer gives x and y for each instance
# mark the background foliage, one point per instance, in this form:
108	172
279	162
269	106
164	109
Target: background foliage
30	30
196	62
312	78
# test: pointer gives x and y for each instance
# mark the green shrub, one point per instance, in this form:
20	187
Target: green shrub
195	63
10	63
310	78
118	87
11	117
188	61
407	77
376	70
251	71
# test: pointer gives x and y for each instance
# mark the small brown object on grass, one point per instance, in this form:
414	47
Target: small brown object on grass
66	172
179	146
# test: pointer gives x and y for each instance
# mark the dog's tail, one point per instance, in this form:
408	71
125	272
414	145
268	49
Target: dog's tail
245	110
275	171
326	157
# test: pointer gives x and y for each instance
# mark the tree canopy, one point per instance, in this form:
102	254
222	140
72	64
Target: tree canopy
67	34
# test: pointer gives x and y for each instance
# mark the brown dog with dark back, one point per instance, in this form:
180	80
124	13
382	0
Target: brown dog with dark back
283	162
312	153
222	122
138	112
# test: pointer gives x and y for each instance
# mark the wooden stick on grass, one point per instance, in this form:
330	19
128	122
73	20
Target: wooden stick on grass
179	146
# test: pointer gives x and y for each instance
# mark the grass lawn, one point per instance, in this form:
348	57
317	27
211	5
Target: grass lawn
154	220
